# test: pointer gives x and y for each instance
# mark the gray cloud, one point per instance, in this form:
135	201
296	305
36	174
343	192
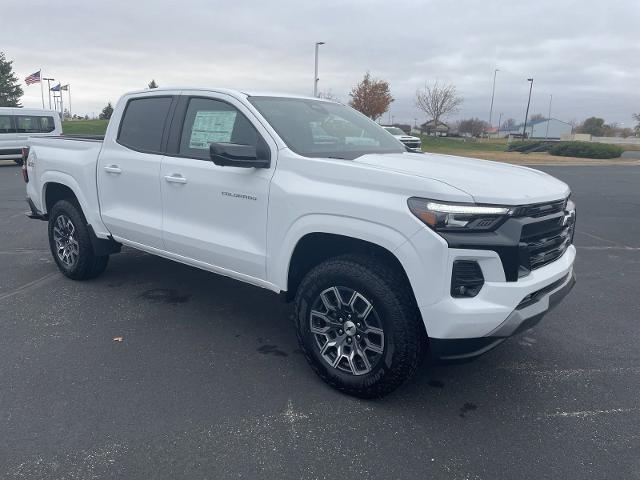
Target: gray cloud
585	53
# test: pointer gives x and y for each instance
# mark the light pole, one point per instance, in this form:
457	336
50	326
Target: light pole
493	93
526	115
546	135
49	80
499	123
315	77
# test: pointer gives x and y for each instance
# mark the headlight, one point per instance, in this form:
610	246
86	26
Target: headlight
458	217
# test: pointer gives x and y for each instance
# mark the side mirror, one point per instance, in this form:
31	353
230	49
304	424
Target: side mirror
236	155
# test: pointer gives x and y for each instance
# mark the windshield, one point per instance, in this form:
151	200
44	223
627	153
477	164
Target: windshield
314	128
394	131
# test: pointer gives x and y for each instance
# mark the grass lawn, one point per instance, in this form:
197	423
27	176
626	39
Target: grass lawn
84	127
458	146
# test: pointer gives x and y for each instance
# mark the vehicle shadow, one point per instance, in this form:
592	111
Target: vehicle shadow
222	309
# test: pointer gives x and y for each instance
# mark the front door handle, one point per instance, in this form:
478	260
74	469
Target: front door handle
175	178
112	169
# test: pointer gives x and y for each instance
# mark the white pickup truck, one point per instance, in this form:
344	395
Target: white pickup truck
386	253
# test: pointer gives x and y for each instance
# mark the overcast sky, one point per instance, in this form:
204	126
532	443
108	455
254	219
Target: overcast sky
584	52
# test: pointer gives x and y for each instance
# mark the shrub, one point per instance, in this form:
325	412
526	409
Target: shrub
586	150
530	146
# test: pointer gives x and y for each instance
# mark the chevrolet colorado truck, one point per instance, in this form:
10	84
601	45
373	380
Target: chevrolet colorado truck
386	254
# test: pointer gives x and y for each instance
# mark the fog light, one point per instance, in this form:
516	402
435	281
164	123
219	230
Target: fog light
466	279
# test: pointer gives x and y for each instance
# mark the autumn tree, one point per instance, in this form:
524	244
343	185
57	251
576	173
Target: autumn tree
371	97
153	84
438	100
10	89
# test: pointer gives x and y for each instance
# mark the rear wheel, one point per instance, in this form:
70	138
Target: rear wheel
70	243
358	325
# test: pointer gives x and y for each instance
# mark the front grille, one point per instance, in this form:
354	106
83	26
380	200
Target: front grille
411	144
546	239
541	209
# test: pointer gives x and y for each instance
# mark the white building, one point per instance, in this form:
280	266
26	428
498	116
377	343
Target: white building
552	128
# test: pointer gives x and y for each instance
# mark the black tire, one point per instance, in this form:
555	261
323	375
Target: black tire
404	341
85	264
19	162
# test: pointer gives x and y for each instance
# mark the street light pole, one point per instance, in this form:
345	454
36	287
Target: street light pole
499	123
526	115
49	80
546	135
493	93
315	77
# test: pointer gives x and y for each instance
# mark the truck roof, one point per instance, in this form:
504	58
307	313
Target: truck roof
27	111
228	91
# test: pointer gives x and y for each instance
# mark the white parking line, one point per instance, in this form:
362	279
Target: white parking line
28	286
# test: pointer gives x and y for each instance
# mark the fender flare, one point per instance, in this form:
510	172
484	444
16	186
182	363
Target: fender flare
382	235
90	212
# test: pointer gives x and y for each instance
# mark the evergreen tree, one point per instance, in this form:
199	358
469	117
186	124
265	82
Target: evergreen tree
153	84
10	89
106	112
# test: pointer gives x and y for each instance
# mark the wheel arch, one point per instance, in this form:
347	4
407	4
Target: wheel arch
58	186
312	241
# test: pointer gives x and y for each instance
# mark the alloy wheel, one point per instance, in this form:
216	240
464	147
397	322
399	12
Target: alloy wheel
64	236
347	330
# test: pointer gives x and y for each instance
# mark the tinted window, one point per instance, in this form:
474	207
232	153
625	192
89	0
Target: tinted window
314	128
5	124
34	124
143	123
209	121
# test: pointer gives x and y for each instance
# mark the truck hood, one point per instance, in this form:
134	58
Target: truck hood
485	181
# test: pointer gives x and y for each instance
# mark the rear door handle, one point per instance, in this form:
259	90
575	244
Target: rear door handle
112	169
175	178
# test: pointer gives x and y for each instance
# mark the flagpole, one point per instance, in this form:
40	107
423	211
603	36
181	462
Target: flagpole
41	88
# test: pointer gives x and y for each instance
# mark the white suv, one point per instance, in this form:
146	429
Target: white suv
18	124
412	143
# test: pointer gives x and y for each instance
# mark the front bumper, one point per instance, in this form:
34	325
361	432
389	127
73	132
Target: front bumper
465	327
519	320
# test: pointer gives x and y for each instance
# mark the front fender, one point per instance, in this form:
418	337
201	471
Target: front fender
401	246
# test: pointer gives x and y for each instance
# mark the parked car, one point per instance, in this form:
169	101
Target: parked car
18	124
385	253
412	143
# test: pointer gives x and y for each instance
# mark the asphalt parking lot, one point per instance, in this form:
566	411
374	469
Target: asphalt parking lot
207	380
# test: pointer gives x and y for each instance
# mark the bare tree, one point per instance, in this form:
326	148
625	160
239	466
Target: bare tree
371	97
473	126
438	101
536	117
509	124
636	116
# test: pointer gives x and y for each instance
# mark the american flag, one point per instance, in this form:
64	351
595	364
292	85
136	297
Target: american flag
33	78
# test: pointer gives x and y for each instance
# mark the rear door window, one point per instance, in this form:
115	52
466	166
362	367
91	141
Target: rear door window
143	123
33	124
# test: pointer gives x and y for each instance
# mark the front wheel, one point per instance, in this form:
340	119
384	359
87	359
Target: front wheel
358	325
70	243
